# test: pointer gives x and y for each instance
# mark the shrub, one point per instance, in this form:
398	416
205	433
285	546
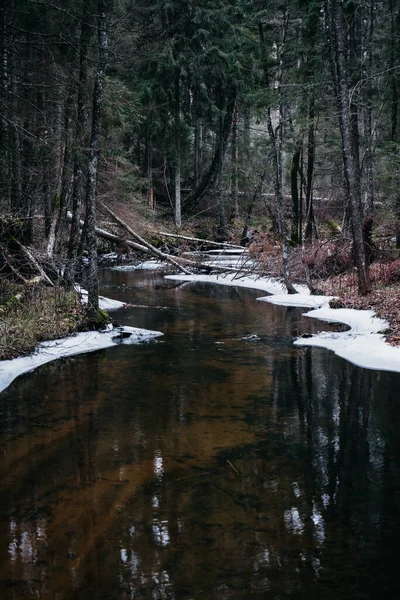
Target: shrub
325	259
393	271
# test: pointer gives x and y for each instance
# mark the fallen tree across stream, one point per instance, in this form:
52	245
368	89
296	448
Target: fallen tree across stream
146	248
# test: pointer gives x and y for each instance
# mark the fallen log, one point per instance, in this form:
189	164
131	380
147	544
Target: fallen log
12	268
111	237
154	250
193	239
102	233
142	241
34	262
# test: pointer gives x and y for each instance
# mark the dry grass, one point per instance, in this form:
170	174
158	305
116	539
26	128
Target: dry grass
28	316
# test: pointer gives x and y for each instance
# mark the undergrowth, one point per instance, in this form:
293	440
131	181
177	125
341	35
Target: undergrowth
34	314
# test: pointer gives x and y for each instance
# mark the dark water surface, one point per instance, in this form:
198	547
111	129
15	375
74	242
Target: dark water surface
202	465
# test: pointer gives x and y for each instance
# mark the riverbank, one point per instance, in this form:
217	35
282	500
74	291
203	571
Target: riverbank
383	300
364	344
31	314
85	341
59	316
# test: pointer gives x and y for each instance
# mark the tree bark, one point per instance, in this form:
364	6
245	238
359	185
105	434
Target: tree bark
337	33
276	139
310	228
294	173
198	140
79	158
91	185
235	162
177	124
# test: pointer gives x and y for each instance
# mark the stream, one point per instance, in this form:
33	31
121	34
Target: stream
216	462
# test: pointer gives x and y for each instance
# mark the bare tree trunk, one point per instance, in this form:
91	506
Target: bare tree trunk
235	162
198	140
57	170
142	241
294	187
394	93
79	158
177	187
276	139
93	282
5	154
310	228
367	33
67	171
223	221
337	33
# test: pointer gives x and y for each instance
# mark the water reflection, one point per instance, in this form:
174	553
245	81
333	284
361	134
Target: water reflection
195	469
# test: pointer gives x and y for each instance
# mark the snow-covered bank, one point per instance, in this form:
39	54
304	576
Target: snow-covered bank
104	303
87	341
363	344
264	284
147	265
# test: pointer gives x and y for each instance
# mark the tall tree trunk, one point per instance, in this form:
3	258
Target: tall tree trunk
276	140
394	100
310	228
5	155
198	140
294	188
79	158
91	185
222	196
55	197
367	35
67	171
336	29
235	163
150	170
177	169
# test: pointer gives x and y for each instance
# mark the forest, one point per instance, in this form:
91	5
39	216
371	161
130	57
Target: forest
274	123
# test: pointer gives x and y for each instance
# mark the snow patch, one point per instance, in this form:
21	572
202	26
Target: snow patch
106	304
265	284
147	265
302	300
227	251
80	343
363	345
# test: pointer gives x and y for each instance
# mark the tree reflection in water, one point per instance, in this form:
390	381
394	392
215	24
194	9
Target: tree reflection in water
202	466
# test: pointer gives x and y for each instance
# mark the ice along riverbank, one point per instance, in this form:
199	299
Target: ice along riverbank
363	344
86	341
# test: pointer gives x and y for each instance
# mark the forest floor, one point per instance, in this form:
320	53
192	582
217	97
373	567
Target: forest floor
383	298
